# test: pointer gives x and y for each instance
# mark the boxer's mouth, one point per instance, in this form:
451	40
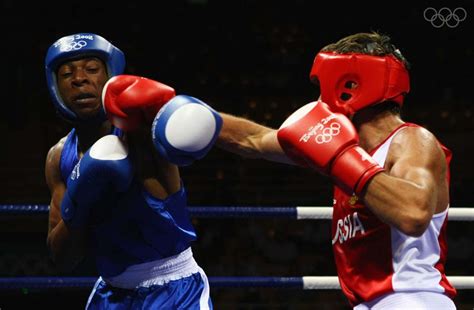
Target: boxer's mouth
84	98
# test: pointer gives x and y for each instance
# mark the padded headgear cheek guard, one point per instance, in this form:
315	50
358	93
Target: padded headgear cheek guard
77	46
351	82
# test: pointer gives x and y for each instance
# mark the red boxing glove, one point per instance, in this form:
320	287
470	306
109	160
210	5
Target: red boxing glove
133	100
328	142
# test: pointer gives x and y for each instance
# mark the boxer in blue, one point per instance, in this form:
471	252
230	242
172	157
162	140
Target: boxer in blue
116	191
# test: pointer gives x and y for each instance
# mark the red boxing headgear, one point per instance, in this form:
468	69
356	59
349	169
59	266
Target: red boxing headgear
350	82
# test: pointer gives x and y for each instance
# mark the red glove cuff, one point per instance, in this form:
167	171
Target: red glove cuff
353	168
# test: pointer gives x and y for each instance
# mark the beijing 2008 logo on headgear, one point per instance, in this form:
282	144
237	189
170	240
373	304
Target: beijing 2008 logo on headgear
444	16
72	45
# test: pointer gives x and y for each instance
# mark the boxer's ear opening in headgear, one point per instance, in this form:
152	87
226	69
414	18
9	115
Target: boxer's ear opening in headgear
348	85
344	96
78	46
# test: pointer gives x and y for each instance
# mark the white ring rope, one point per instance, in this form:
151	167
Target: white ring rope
325	213
332	283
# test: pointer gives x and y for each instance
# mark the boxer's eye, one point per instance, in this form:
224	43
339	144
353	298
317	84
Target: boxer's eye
65	74
92	69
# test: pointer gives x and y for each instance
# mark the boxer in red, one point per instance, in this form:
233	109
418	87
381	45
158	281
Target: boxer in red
391	177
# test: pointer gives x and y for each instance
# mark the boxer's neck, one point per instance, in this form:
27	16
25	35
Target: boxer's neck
375	129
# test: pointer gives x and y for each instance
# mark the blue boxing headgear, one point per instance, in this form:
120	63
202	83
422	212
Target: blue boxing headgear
77	46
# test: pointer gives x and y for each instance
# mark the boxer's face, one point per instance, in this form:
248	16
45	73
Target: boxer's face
80	84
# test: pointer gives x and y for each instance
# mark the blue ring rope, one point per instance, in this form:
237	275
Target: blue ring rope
292	212
88	282
24	209
195	211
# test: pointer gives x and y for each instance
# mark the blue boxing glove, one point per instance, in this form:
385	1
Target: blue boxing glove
103	171
185	129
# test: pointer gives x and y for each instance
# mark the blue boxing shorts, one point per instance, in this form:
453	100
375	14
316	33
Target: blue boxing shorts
176	282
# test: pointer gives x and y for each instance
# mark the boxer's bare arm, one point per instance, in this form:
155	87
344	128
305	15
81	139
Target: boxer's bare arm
414	187
66	246
249	139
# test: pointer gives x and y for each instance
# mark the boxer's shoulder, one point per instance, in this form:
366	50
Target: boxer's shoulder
54	153
53	160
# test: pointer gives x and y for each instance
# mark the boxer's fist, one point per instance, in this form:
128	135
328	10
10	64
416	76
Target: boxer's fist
130	101
328	142
185	129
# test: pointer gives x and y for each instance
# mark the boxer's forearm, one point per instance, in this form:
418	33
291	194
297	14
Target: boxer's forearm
249	139
66	246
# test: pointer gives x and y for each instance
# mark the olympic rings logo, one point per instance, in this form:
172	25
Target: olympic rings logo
73	45
444	16
327	133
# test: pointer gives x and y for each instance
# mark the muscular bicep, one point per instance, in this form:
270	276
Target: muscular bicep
414	186
67	247
419	162
414	171
56	187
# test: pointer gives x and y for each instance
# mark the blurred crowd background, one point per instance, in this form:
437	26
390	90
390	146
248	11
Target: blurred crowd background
251	59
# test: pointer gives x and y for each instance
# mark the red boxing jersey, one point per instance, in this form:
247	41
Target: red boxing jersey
374	259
